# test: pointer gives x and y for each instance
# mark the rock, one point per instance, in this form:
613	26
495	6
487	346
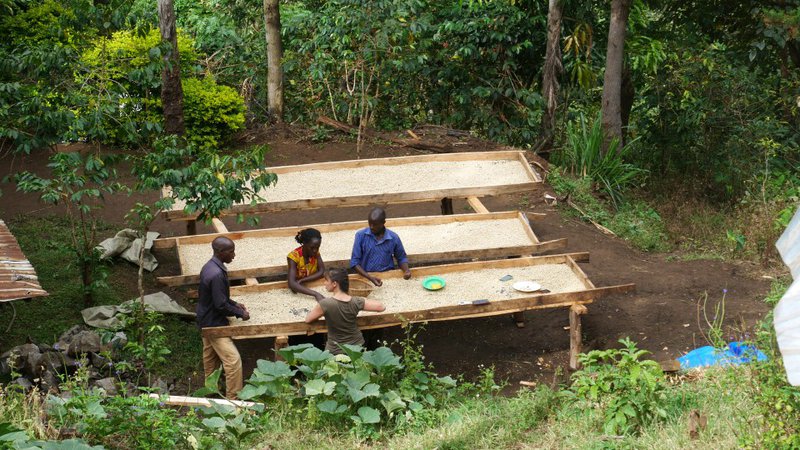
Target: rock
108	385
119	340
23	383
66	337
56	362
160	386
84	342
98	361
19	355
49	382
5	368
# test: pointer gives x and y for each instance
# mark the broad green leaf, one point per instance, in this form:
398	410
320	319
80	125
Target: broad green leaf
217	423
391	401
318	386
369	415
313	354
249	391
382	358
329	406
357	380
355	352
276	369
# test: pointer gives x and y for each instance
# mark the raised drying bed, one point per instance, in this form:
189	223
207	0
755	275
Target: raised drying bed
275	311
389	180
426	239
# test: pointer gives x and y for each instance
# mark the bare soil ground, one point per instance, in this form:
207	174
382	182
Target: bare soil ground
662	315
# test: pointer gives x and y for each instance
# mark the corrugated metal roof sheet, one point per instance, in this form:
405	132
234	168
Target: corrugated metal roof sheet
18	279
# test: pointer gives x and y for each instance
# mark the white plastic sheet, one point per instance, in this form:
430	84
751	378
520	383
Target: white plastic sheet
787	312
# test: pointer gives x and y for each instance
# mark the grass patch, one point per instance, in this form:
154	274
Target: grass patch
43	319
635	220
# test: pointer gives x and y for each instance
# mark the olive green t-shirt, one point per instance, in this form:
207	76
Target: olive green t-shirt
340	318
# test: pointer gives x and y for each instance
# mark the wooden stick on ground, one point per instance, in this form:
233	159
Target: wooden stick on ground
586	216
413	143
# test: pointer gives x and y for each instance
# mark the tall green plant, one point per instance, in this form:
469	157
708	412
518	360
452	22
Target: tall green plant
583	156
79	183
630	392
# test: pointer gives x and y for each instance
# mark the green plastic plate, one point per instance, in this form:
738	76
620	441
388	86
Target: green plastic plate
433	283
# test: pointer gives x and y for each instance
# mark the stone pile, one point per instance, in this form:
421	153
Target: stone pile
46	366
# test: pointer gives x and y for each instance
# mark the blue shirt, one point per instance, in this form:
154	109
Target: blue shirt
377	256
215	304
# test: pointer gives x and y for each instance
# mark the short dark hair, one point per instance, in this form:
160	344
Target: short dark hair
339	276
377	214
307	235
221	243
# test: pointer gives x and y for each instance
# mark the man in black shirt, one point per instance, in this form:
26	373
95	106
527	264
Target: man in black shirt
213	309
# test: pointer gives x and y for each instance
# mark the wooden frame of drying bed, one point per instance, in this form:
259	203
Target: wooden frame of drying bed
383	198
534	247
576	301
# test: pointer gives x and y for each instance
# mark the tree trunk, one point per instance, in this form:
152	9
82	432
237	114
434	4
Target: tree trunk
550	73
272	21
171	90
627	95
612	82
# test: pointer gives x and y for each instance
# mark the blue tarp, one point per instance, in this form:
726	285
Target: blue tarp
736	353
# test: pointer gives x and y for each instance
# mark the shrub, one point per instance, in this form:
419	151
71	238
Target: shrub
362	388
583	156
212	112
630	392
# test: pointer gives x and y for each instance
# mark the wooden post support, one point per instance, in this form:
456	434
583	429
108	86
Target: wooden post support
191	227
519	319
575	338
280	342
476	205
447	206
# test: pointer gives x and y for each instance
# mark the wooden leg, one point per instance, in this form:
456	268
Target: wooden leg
575	337
280	342
191	227
447	206
519	319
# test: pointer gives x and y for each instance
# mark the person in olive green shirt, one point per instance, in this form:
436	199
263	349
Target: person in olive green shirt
340	311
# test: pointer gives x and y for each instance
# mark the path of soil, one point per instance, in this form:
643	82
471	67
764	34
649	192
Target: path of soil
661	315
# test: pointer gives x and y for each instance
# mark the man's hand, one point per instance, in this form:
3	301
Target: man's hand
376	281
246	315
407	274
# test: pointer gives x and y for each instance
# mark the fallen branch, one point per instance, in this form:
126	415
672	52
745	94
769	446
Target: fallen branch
413	143
586	216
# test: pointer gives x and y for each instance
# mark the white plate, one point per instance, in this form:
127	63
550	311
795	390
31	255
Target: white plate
527	286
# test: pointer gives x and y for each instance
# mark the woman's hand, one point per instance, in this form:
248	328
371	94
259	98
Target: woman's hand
319	296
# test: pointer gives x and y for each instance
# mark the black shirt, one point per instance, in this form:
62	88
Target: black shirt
215	305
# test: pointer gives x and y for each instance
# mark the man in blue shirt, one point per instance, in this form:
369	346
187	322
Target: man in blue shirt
213	309
376	248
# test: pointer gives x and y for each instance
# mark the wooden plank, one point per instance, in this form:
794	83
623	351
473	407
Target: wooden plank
580	273
218	225
181	400
476	205
536	301
575	334
524	161
447	206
